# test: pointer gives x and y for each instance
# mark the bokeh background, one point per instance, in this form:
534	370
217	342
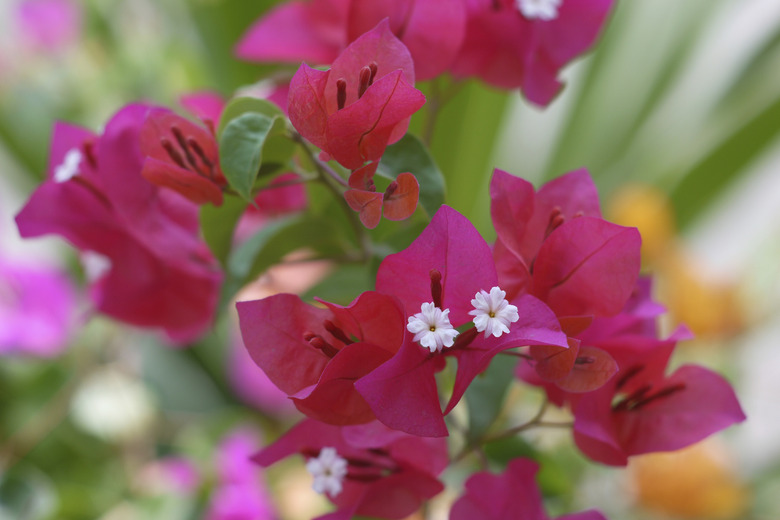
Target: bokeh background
676	114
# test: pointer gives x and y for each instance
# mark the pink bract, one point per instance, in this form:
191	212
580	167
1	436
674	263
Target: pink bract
161	273
512	495
362	104
390	474
317	31
507	50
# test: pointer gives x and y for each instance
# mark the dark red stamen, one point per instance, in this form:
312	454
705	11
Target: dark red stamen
89	153
584	360
177	133
666	392
200	153
337	332
630	402
173	153
391	188
436	288
341	93
556	219
316	341
363	82
631	372
373	67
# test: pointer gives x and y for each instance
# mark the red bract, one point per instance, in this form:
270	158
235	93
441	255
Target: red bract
388	474
513	495
554	245
161	274
182	156
508	49
317	31
315	355
642	410
362	104
398	201
446	266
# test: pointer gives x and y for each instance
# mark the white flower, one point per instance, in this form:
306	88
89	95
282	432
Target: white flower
492	313
432	328
69	167
328	470
539	9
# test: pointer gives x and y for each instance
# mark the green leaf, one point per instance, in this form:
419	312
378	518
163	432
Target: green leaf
485	396
241	148
218	224
275	240
244	105
410	155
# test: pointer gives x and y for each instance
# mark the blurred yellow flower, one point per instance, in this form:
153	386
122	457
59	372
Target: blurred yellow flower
696	482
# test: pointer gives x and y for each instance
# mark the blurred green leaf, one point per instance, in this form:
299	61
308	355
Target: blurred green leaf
725	162
218	224
244	105
485	395
410	155
241	148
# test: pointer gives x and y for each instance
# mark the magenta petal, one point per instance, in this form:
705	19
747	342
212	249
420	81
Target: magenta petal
334	400
451	245
511	208
66	137
707	404
273	329
402	392
306	434
537	326
380	46
587	266
431	29
306	104
205	105
311	31
361	131
373	318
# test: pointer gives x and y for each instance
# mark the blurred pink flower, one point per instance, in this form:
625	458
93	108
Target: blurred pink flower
47	25
37	308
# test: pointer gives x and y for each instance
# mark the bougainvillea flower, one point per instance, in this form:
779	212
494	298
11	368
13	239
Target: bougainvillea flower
317	31
641	410
388	474
160	273
37	309
398	202
553	244
446	266
516	44
47	25
315	355
182	156
513	495
239	493
362	104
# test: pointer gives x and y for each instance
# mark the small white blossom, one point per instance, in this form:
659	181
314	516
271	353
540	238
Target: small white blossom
69	167
493	313
328	470
545	10
432	328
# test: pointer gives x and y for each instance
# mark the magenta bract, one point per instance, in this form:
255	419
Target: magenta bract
362	104
389	474
317	31
506	49
161	273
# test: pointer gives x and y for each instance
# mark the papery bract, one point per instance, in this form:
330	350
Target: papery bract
317	31
389	474
315	355
447	265
509	50
37	309
161	273
362	104
553	244
512	495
